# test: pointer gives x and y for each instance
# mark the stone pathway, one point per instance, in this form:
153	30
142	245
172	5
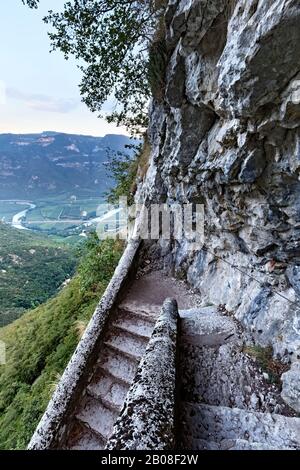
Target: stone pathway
226	401
124	345
113	373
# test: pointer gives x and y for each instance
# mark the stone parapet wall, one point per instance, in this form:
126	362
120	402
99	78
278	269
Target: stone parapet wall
147	421
51	426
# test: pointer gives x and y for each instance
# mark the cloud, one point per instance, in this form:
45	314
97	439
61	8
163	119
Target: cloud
43	102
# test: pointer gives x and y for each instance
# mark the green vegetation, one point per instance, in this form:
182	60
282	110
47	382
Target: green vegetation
123	170
32	268
40	344
61	216
265	359
126	170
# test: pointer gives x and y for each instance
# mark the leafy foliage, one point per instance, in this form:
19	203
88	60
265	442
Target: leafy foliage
31	3
126	170
40	344
94	253
110	39
122	168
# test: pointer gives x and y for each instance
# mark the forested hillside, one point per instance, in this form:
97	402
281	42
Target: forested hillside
32	269
40	344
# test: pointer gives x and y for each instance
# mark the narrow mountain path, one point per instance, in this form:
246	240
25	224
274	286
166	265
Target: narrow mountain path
113	372
225	400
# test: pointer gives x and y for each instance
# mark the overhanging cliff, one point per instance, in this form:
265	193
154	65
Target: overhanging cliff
225	133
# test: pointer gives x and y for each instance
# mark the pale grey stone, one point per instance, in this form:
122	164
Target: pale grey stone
291	386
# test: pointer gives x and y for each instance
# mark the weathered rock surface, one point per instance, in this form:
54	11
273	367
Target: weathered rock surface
227	135
291	386
223	428
147	421
226	401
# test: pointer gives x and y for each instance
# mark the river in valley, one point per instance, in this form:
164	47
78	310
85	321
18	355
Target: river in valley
17	219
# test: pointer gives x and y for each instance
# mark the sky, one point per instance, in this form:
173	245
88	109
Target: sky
38	90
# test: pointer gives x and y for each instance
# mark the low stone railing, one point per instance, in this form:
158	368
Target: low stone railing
147	421
51	426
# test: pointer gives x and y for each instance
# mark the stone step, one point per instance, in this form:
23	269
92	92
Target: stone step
147	311
227	444
138	312
108	388
219	423
127	343
245	445
82	438
207	330
118	365
198	312
134	323
97	417
115	349
200	444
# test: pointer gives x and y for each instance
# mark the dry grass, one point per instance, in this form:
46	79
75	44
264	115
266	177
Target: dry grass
80	327
144	158
264	358
54	383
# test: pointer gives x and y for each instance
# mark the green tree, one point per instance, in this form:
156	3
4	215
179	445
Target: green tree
111	41
122	168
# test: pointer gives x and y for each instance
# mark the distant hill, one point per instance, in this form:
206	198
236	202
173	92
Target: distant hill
51	163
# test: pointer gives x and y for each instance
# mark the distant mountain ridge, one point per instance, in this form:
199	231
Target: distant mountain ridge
50	163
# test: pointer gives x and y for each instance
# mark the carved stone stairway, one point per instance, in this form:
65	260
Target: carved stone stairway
112	375
129	330
224	399
227	402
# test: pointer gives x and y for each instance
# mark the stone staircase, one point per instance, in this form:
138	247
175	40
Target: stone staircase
91	393
227	403
104	394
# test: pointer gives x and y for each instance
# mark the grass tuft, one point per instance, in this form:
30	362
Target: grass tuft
264	358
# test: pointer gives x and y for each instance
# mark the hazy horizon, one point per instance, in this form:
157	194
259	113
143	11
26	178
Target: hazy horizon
66	133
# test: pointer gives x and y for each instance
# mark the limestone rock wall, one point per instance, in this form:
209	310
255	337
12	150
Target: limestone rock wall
226	134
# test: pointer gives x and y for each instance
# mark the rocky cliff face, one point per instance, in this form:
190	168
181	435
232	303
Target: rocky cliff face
226	134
